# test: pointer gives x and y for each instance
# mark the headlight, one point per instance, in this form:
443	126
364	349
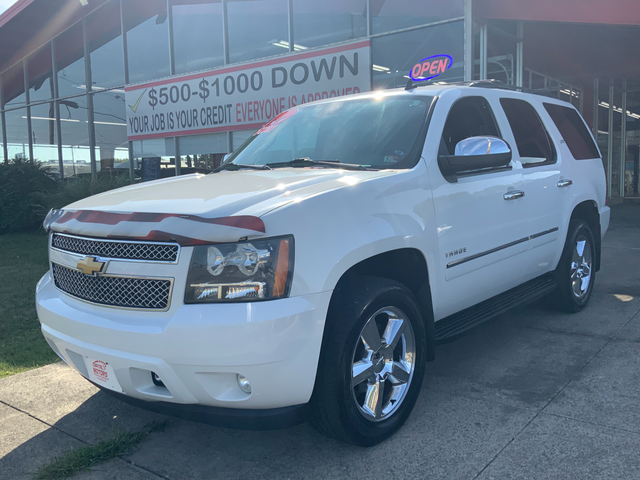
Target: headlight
240	272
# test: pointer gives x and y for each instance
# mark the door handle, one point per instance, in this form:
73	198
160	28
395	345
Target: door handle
513	195
564	183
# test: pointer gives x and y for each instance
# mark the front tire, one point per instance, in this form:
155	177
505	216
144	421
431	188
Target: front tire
576	273
372	362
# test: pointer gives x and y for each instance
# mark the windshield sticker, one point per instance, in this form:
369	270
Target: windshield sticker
277	121
390	159
430	67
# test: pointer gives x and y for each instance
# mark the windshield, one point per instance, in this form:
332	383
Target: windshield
373	133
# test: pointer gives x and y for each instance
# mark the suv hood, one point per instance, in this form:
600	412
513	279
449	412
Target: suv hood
196	209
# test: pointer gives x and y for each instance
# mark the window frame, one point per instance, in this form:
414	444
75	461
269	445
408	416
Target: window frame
552	144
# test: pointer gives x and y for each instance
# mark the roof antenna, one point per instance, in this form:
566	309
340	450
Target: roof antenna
410	84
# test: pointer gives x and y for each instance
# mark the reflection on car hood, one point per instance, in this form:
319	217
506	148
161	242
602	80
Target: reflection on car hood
196	209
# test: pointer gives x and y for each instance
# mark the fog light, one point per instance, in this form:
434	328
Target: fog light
244	384
157	381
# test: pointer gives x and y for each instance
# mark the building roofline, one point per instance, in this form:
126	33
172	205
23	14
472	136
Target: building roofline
13	11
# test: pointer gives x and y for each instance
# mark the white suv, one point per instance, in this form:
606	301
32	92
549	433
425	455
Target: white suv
312	274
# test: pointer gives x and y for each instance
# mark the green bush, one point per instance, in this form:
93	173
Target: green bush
24	186
28	190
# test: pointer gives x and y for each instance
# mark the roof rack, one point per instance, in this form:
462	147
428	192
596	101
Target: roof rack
503	86
486	84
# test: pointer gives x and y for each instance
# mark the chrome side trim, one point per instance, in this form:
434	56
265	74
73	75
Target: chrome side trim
501	247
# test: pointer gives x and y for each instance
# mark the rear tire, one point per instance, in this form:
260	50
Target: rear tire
372	362
576	273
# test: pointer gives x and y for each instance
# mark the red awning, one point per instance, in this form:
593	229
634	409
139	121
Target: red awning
610	12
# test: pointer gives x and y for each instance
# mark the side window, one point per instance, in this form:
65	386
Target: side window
532	139
468	117
573	131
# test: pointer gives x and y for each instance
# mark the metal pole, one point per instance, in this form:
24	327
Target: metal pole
125	53
56	107
468	40
172	56
25	69
89	83
484	37
176	147
610	139
225	32
520	55
131	160
229	142
623	137
290	19
596	106
369	19
5	148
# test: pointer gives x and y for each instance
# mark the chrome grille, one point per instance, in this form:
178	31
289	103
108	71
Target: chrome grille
127	292
156	252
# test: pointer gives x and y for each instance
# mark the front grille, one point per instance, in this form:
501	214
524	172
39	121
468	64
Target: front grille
114	291
157	252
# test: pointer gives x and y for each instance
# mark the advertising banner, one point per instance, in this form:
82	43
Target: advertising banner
245	96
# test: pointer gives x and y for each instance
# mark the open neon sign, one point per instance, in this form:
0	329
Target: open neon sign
430	67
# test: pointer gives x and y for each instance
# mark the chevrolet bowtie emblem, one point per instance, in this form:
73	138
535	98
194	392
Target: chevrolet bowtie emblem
90	265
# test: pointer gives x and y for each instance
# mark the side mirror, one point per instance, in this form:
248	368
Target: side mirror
225	157
475	153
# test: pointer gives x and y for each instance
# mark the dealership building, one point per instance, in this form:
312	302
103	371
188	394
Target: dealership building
168	87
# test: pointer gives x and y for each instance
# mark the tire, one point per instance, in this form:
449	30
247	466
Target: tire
358	307
576	272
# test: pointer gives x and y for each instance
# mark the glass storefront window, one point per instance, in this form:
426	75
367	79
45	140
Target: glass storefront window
70	62
74	129
13	85
154	158
17	135
389	15
40	76
147	39
43	133
105	45
202	153
110	125
257	28
321	23
394	56
197	36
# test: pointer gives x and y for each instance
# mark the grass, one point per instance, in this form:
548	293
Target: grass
23	260
84	458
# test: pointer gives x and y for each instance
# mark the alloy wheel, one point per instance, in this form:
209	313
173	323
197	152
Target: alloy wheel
383	364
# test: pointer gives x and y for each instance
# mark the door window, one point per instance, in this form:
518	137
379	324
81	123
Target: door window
532	139
468	117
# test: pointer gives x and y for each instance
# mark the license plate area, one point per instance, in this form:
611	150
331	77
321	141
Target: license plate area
102	373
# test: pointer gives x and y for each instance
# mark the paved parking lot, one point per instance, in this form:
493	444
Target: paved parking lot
533	394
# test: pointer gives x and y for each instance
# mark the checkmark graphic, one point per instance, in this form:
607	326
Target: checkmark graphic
135	107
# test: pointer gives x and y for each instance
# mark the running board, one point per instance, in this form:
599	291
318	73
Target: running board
457	323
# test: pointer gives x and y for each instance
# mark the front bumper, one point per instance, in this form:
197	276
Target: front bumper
197	350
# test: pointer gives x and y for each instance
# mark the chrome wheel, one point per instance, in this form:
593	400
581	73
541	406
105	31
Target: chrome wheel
581	263
383	363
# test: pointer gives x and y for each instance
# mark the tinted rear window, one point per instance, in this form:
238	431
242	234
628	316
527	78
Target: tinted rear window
573	131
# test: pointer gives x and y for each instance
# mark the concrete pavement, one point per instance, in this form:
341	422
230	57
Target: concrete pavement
533	394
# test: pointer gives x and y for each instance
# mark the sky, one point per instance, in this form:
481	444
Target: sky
4	4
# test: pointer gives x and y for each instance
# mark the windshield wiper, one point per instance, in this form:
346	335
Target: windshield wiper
308	162
238	166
